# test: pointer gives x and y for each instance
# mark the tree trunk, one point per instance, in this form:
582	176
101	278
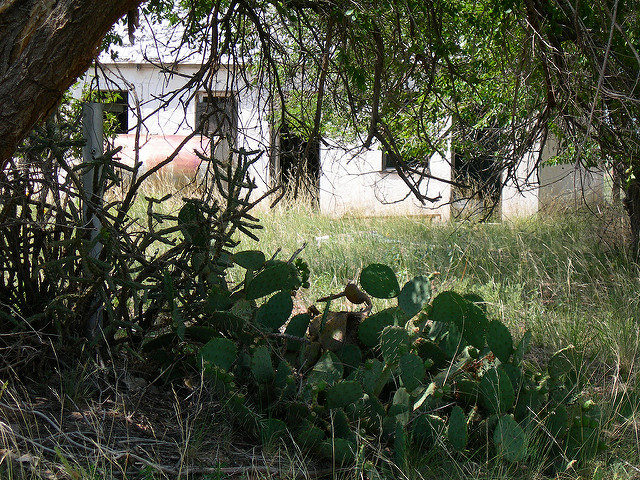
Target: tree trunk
632	206
45	45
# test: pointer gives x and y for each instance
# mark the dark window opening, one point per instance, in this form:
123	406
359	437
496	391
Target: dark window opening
217	116
388	166
475	165
117	104
289	156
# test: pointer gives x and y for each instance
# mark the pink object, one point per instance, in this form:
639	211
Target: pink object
157	148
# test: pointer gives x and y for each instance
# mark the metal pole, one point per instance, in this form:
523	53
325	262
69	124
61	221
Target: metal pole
92	126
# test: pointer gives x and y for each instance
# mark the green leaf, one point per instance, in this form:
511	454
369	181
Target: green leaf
249	259
510	439
220	352
379	281
275	312
457	432
415	294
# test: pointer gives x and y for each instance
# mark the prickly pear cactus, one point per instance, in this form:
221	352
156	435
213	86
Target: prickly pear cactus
447	376
379	281
261	365
219	352
457	431
510	439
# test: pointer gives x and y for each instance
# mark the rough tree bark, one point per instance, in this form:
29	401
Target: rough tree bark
45	45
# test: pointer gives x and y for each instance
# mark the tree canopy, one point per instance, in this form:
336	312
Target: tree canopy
499	74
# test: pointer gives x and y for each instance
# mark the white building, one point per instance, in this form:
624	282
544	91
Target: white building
344	180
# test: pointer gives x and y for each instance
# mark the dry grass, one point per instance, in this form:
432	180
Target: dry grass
566	278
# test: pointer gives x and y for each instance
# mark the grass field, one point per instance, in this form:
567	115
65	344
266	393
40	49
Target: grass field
566	278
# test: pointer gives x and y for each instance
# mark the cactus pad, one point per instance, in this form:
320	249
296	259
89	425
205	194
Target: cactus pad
370	375
523	347
371	327
276	276
275	312
220	352
457	431
350	356
328	369
499	340
496	391
415	294
448	307
558	422
379	281
297	327
309	436
510	439
284	379
474	324
561	362
272	429
429	350
477	299
412	371
343	393
261	365
249	259
400	444
426	428
394	342
338	449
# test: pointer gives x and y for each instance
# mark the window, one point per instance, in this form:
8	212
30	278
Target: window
388	166
216	115
116	102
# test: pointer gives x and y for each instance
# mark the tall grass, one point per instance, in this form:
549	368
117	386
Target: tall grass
565	277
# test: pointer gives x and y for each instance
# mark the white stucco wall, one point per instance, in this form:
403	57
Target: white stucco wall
351	181
550	187
355	183
520	194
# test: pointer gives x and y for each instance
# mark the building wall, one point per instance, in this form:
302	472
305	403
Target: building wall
549	187
351	180
355	183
